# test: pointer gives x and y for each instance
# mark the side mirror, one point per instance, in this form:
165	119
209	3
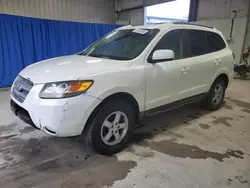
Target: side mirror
162	55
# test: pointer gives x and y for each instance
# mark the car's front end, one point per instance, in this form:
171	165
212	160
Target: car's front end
49	110
58	95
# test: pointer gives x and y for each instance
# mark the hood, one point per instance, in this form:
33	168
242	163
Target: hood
72	67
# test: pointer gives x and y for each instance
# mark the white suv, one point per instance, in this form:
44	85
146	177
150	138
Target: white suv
130	73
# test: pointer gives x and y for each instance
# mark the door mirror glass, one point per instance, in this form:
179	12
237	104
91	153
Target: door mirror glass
162	55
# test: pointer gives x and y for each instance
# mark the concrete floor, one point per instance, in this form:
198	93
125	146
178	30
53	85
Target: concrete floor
187	147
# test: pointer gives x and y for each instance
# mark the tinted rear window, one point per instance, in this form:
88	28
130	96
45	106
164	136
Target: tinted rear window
198	42
215	41
195	43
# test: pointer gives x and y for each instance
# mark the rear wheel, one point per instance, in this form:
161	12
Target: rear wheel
111	128
215	97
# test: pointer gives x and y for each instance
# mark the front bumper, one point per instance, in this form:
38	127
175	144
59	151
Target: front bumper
21	113
57	117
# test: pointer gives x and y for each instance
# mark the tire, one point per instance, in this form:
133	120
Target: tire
209	102
96	132
243	76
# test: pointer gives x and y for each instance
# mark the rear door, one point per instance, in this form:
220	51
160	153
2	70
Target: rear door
200	62
222	55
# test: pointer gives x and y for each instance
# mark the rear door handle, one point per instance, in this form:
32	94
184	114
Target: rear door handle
185	70
217	62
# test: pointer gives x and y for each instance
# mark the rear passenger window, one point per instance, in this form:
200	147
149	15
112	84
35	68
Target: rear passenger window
171	41
215	41
195	43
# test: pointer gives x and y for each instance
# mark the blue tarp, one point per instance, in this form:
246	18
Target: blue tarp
24	41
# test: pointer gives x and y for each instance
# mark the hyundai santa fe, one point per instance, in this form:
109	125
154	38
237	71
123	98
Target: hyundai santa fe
128	74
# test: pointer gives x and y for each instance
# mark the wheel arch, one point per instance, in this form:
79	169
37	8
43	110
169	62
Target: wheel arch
116	96
224	77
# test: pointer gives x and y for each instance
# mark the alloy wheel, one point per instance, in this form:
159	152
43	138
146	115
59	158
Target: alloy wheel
114	128
217	94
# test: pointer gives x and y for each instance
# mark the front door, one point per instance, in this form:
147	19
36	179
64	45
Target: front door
164	79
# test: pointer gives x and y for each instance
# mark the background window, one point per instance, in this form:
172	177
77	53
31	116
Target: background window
171	41
177	10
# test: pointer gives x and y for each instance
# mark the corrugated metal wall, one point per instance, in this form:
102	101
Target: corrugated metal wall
133	3
97	11
247	36
221	9
134	17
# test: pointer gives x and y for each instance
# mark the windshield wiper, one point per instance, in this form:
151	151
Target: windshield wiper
99	55
108	57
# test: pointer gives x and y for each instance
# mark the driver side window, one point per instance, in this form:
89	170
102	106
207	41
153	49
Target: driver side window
170	41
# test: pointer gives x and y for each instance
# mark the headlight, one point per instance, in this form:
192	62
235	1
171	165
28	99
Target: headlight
64	89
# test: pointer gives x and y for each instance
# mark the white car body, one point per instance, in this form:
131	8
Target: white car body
151	85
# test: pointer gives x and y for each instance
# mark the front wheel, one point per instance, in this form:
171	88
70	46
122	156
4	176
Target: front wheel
111	128
215	97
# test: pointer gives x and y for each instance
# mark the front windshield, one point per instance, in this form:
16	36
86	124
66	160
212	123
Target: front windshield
121	44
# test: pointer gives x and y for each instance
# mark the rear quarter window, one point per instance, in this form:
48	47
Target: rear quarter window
200	42
215	41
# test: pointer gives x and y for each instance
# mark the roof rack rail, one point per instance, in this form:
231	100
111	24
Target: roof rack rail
188	23
125	26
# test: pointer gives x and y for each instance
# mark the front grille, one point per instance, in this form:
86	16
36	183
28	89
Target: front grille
21	88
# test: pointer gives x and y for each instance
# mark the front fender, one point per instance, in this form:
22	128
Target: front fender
129	80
